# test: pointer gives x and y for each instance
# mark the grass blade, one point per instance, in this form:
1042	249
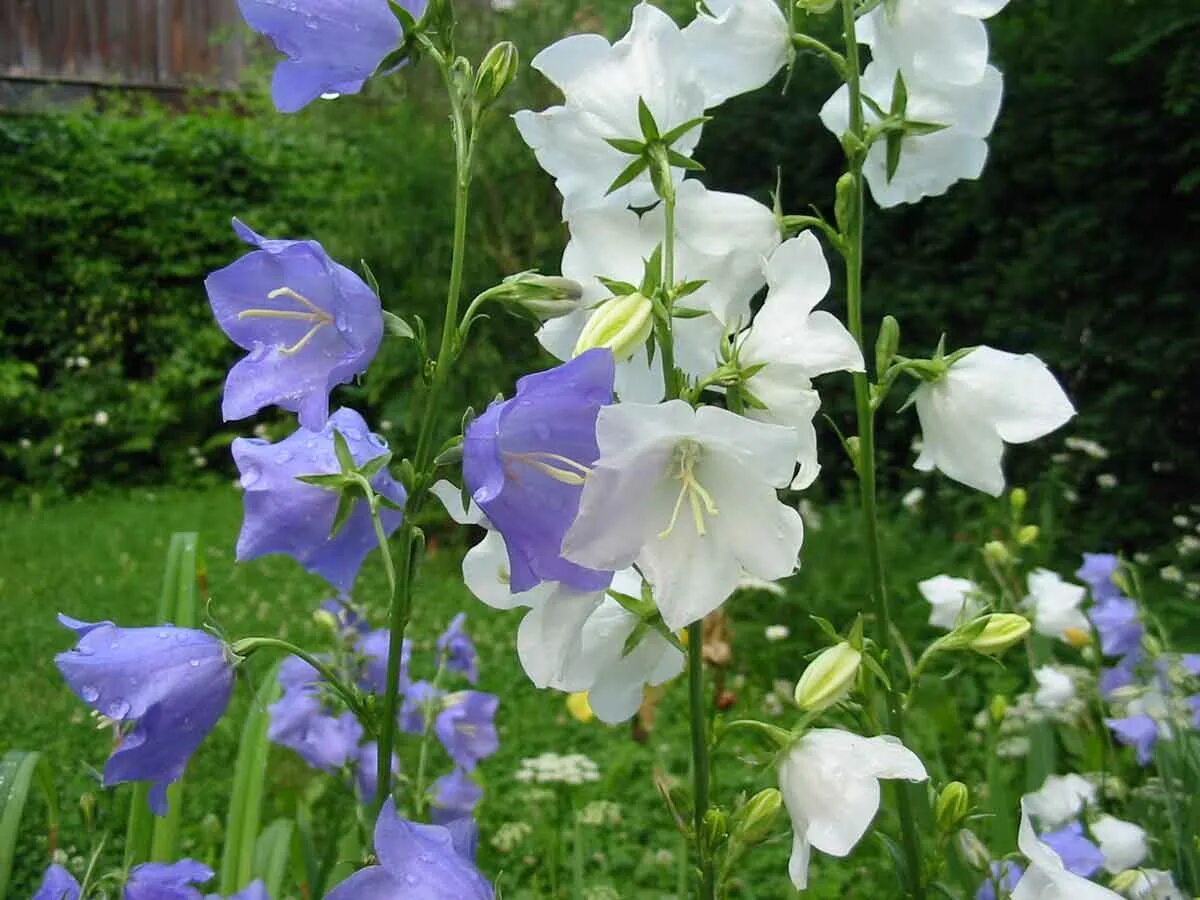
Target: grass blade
18	769
272	854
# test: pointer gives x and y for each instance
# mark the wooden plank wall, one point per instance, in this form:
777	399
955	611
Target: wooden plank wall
152	43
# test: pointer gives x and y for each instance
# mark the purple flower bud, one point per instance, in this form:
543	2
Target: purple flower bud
332	46
466	727
58	884
460	652
285	515
167	881
1078	854
455	796
308	323
1139	732
524	461
421	862
348	619
171	684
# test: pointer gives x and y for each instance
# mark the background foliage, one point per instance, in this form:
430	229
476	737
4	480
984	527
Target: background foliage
1079	243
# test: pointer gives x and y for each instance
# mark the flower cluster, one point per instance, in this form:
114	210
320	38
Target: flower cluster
553	768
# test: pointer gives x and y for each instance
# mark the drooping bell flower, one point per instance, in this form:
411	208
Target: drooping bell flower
332	46
524	461
1137	731
286	515
830	784
58	884
454	797
1097	573
736	46
167	881
165	687
422	700
1055	607
307	322
375	647
429	862
466	727
1079	855
458	649
690	495
931	40
1060	799
1117	622
952	600
1047	878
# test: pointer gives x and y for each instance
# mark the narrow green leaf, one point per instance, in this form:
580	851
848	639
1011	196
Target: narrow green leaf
18	769
646	122
918	129
245	799
397	327
372	282
627	145
272	854
184	611
630	172
685	312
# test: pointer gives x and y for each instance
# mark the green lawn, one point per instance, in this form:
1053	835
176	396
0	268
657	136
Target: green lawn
101	557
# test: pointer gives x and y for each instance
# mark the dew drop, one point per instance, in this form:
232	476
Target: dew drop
258	351
542	430
89	693
425	857
330	95
377	441
283	456
311	22
248	479
114	645
164	633
340	321
194	663
118	709
410	878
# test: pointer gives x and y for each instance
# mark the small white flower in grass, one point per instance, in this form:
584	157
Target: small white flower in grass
830	784
1086	447
929	163
1166	573
986	399
1122	843
1055	607
1107	481
1181	521
775	633
1055	688
101	418
794	343
913	498
601	85
58	450
934	40
952	600
1060	799
738	48
690	495
1047	878
720	239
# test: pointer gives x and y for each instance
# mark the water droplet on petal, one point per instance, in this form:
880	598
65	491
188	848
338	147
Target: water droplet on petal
311	22
248	479
114	645
377	441
410	878
164	633
118	709
330	95
194	663
340	320
89	693
283	456
258	351
542	430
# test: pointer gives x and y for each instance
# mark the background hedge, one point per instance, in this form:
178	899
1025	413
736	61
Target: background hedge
1079	244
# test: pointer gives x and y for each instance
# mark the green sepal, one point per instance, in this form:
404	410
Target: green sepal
334	482
372	281
618	288
899	95
373	467
395	326
646	122
680	130
675	158
451	452
894	141
627	145
689	287
869	660
685	312
341	450
827	629
638	606
344	508
628	174
652	272
919	129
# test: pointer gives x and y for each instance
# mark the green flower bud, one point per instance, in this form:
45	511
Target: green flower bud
496	72
211	826
1027	535
998	707
716	828
621	324
543	296
845	195
828	678
1017	499
1001	632
754	822
886	344
995	552
952	806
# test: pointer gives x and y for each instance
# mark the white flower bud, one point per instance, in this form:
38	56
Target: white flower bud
621	324
828	677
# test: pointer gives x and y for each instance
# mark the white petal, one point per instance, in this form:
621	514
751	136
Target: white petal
486	575
740	49
958	439
798	277
798	861
566	60
766	452
566	144
560	335
1047	878
980	9
1016	392
1122	843
604	242
790	401
550	639
638	380
692	574
451	498
763	534
951	599
697	343
629	428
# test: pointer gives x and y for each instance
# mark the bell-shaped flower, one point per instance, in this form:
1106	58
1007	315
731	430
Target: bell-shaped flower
1148	884
952	601
930	162
984	400
1097	573
286	515
170	684
690	495
454	797
525	459
793	344
1055	606
1054	688
720	239
466	726
602	85
737	46
332	46
931	40
422	862
58	884
455	644
255	890
1078	854
1047	877
309	324
1118	622
1060	799
1122	843
422	700
1139	731
830	784
167	881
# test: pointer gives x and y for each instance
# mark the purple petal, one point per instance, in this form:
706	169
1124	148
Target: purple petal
459	651
455	796
58	884
424	859
466	727
1116	620
1097	573
371	883
167	881
1078	854
1139	732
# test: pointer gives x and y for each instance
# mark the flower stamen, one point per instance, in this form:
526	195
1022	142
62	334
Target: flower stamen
700	501
312	313
560	468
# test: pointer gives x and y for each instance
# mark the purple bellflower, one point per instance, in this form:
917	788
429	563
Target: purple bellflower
374	646
1113	678
308	323
1078	854
171	684
418	699
1191	663
455	796
1097	573
367	771
332	46
285	515
458	649
466	727
1139	732
1004	873
255	890
58	884
418	862
524	461
1115	618
167	881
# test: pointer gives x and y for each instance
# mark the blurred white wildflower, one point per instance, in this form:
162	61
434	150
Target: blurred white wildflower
775	633
600	812
510	835
101	418
1181	521
594	891
25	443
1171	573
808	512
1189	543
553	768
912	499
58	450
1107	480
1086	447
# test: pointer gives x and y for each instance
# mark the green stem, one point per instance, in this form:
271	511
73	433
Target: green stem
577	892
399	611
911	839
419	798
700	764
246	646
666	342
